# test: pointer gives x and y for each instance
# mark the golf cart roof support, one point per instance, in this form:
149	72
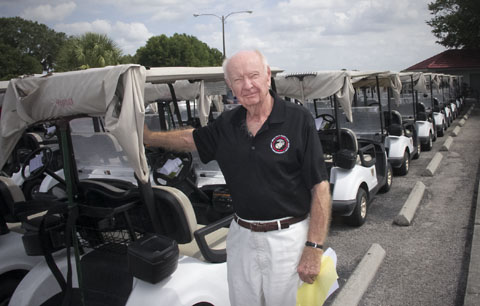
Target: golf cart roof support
431	89
72	182
380	105
161	115
413	99
175	105
337	123
389	95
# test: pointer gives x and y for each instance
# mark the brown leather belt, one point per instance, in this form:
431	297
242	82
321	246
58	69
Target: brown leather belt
268	226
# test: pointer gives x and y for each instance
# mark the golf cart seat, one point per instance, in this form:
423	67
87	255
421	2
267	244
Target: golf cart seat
10	194
179	223
421	112
393	122
346	156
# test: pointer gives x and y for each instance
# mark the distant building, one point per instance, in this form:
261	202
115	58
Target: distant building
457	62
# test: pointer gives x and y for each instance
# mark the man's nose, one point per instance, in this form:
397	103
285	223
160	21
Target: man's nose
247	83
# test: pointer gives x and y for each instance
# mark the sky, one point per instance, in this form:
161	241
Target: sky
294	35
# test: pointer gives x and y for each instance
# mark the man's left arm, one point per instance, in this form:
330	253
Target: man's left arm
320	213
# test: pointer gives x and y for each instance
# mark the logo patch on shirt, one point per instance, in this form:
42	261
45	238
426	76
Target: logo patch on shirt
280	144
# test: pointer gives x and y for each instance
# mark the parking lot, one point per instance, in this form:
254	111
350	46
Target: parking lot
425	263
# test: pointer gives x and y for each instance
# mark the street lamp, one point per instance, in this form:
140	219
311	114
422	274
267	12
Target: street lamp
223	18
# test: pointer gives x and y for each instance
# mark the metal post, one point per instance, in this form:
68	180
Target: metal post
223	36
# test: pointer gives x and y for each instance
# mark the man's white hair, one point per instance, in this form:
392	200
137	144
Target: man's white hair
263	59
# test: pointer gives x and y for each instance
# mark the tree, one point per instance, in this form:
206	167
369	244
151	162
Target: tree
178	50
89	50
456	23
26	46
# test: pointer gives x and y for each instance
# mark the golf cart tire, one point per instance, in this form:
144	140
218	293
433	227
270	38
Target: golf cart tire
405	166
419	150
428	146
357	218
388	180
441	132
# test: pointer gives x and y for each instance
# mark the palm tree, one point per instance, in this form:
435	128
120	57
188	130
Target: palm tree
88	51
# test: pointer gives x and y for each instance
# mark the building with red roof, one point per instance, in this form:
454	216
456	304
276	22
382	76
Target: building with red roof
464	62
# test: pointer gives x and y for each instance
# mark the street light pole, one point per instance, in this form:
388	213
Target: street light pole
223	18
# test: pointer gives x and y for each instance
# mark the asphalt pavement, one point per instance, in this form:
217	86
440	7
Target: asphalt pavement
434	258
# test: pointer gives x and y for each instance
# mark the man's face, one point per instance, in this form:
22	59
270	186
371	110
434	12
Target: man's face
248	78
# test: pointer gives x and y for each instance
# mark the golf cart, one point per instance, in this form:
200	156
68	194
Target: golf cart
414	111
433	104
357	165
400	139
106	241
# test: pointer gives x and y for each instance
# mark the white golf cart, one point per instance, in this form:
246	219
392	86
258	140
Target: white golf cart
431	102
357	166
106	241
401	140
414	111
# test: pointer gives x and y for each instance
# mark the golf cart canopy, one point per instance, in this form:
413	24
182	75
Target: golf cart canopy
317	85
115	92
386	79
419	81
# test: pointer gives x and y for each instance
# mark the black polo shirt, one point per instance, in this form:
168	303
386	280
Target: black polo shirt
270	175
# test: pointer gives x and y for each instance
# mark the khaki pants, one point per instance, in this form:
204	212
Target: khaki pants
262	266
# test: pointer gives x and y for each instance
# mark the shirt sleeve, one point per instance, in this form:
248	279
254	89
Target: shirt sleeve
313	169
206	141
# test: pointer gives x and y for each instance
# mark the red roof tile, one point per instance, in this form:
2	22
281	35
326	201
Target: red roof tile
450	59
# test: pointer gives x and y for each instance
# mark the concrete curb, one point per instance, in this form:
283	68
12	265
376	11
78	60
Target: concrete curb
472	293
433	165
465	117
456	131
447	144
357	284
406	214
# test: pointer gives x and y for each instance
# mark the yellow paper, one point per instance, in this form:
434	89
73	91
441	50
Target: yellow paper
315	294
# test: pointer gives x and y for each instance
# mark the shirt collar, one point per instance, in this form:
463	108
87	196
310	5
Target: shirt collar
276	116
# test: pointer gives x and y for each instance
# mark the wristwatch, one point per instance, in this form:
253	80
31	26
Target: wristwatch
314	245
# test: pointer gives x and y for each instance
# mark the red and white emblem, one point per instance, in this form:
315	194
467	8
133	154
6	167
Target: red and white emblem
280	144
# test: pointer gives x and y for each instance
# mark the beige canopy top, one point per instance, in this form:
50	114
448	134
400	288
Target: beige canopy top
318	85
115	92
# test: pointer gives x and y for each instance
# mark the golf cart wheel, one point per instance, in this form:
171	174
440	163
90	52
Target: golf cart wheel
441	132
419	150
403	170
359	215
388	179
428	146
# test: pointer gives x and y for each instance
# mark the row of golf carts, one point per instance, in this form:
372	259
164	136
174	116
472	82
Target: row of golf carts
89	215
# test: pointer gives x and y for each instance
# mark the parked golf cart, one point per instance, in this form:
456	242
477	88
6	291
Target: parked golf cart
401	141
108	241
439	115
357	164
412	110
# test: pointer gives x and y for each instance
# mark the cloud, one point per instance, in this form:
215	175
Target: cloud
128	36
47	12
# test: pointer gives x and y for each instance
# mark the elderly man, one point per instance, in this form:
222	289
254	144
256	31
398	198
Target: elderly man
272	161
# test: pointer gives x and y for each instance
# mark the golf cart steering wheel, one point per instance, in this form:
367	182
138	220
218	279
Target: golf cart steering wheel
46	159
329	119
173	178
